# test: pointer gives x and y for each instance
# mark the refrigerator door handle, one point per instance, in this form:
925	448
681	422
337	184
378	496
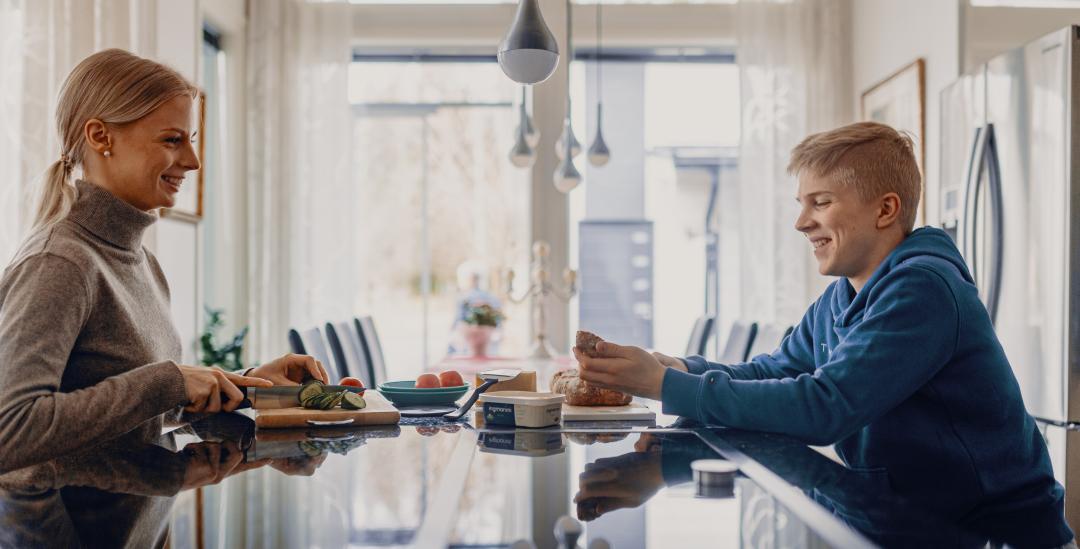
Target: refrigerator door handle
997	227
984	160
971	207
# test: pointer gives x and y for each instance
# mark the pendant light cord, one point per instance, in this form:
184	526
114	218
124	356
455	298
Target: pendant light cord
599	55
569	50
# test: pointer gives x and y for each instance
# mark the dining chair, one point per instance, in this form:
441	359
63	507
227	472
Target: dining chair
311	342
348	351
768	339
699	335
739	340
365	326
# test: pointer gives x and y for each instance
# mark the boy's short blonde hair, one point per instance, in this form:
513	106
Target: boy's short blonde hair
870	157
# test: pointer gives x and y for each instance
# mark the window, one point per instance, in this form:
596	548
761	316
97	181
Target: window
432	139
219	241
675	117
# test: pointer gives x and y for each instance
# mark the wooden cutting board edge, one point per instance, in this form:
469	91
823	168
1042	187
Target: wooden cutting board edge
637	412
379	411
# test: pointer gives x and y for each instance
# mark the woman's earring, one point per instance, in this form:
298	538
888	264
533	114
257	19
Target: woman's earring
108	154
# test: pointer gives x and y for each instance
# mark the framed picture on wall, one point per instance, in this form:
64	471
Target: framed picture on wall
189	201
899	101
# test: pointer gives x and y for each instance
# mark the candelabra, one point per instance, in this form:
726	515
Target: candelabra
540	287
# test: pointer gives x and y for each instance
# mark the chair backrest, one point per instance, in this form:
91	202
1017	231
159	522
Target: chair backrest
365	325
311	342
699	335
767	340
348	352
296	345
739	340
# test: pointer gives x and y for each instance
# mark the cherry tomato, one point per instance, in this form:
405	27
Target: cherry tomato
351	382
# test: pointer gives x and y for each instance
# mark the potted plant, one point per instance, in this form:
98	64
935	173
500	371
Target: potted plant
480	322
227	356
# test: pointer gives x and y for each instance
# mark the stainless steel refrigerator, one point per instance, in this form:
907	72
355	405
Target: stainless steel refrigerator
1010	197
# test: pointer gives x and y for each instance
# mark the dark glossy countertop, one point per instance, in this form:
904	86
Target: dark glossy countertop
428	483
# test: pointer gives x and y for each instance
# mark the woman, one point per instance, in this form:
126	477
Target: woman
87	345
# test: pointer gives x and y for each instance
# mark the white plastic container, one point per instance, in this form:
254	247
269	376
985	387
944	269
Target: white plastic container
522	408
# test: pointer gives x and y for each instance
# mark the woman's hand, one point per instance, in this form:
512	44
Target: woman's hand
206	387
626	369
211	462
291	370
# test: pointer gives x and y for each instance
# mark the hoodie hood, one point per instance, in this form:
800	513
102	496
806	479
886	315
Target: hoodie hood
924	244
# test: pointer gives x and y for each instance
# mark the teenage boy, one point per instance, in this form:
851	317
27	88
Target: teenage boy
897	363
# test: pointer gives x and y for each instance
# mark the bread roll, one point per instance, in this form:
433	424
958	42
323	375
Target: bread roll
580	393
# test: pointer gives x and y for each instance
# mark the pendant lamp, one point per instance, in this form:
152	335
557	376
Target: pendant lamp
529	53
522	154
566	175
568	141
598	152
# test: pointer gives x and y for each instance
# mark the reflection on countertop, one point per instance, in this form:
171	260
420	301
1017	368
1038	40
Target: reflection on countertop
433	483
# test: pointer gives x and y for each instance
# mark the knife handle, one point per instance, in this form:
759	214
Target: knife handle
246	403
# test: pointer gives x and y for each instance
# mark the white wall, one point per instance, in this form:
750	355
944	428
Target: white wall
178	33
889	34
989	31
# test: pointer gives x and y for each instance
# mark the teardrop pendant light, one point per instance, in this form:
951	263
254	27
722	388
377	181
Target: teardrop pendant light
529	53
522	154
566	175
568	129
598	152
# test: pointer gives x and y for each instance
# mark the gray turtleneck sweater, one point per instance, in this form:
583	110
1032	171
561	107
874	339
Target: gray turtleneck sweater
87	342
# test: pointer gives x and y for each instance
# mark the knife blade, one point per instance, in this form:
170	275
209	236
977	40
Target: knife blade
281	396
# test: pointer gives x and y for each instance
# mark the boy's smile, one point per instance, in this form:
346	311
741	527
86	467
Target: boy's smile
842	228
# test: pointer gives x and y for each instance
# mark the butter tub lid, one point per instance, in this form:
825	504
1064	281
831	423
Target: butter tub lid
522	397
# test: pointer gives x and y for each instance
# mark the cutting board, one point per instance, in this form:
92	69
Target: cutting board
379	411
635	411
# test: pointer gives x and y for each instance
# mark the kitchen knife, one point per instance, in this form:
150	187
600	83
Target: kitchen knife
282	396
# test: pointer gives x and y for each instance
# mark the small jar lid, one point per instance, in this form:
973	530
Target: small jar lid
715	478
522	397
721	466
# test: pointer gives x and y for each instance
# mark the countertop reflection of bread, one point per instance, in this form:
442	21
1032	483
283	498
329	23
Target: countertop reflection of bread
578	392
586	439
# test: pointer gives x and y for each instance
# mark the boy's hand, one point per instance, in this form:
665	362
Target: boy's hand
671	362
626	369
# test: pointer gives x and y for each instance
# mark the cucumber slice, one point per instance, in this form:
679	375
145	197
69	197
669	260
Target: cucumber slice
334	400
310	389
318	401
353	401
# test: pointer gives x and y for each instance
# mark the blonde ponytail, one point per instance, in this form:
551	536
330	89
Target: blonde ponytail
113	86
56	194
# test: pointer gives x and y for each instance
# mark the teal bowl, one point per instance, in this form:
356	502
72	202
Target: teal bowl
403	393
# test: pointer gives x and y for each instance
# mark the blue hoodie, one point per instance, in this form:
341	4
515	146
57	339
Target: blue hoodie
909	381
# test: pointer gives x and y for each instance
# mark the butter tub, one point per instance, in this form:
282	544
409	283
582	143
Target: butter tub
522	408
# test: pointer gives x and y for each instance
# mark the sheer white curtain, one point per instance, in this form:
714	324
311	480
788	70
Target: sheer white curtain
40	42
301	263
795	71
300	192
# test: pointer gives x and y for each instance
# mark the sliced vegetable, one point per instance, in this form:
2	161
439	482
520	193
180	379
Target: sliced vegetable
353	401
335	399
310	389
